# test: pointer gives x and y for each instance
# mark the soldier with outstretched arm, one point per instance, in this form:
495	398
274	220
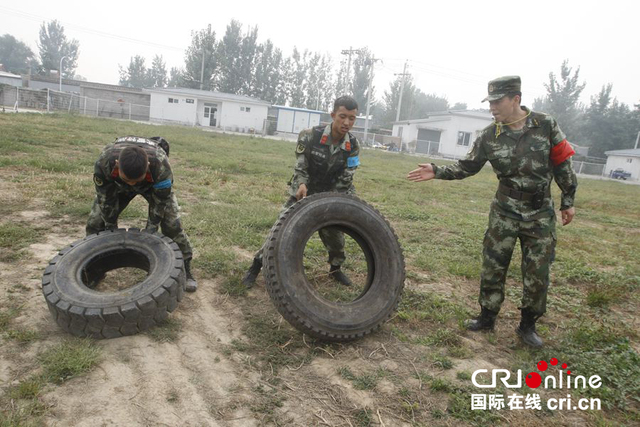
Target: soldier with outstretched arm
527	151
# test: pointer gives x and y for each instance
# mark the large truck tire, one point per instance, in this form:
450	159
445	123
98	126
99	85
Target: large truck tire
82	311
293	295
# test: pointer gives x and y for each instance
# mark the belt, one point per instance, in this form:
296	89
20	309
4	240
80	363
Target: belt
521	195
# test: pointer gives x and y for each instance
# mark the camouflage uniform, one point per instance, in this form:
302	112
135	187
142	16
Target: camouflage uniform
113	195
323	166
525	162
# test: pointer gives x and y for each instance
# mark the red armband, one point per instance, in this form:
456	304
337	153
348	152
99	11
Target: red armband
561	152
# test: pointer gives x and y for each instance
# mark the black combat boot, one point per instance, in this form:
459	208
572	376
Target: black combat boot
249	278
337	275
527	329
191	285
484	322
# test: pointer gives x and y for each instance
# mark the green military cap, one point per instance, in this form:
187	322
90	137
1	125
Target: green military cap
502	86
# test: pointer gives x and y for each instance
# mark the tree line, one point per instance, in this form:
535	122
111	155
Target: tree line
603	124
237	63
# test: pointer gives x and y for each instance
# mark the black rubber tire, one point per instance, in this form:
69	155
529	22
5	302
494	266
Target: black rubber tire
293	295
82	311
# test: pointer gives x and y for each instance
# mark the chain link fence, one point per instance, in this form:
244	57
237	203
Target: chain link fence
586	168
19	98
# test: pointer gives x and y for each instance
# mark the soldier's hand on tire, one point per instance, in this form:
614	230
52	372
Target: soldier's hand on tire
302	192
423	173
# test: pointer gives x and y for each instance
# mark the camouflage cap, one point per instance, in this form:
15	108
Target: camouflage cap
502	86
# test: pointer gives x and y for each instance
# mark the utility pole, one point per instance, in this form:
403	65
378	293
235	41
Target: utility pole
60	72
349	52
637	140
366	119
202	68
404	75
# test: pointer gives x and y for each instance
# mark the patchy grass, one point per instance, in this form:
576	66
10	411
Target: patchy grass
8	314
167	331
23	336
230	202
69	359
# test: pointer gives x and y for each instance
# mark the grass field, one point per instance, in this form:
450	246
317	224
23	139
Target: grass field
415	371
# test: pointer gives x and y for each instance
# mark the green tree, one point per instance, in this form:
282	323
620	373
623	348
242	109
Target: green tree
283	90
267	72
563	99
360	80
135	75
203	48
341	87
460	106
157	74
608	124
175	77
53	46
424	103
326	83
312	94
298	82
415	103
229	55
16	56
247	62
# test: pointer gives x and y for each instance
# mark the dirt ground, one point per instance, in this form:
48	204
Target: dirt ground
201	379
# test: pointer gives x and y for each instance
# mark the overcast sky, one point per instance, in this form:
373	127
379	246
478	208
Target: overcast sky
453	47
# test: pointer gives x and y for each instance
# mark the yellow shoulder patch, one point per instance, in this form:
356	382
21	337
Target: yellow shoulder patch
300	148
97	181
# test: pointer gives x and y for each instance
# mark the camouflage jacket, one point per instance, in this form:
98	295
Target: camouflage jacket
525	160
322	166
157	185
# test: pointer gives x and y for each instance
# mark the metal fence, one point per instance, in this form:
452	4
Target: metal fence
587	168
377	139
431	148
19	98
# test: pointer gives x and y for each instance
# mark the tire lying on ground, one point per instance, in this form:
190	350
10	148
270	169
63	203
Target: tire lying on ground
79	309
292	293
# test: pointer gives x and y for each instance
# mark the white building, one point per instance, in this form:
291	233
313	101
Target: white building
10	79
447	133
236	113
627	160
294	120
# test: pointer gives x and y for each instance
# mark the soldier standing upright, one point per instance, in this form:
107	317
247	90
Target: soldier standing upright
527	150
130	166
326	159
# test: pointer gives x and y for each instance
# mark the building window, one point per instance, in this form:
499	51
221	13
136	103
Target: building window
241	108
173	100
629	160
464	138
189	101
206	113
247	109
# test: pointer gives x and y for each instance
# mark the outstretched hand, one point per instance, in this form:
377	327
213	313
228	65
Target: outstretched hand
423	173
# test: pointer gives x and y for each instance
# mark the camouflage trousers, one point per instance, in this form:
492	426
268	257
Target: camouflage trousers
537	242
332	239
169	224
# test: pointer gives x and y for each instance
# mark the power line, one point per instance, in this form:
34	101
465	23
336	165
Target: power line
39	18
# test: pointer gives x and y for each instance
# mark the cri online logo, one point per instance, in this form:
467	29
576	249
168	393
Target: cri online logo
534	380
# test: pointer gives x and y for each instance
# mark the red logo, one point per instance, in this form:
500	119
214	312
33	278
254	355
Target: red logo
533	379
